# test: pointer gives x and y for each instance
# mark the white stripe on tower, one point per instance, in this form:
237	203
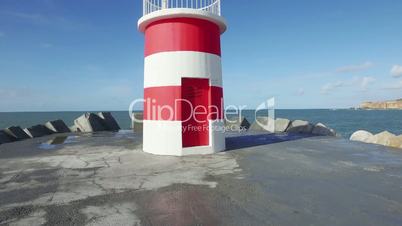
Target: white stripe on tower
168	68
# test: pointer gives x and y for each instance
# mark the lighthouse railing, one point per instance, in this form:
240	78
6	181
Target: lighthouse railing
212	6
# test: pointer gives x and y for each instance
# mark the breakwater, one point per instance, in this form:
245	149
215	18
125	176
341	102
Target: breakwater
344	121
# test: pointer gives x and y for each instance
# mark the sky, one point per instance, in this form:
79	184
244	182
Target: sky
87	55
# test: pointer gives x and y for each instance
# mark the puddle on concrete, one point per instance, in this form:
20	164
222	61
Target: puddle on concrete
53	143
124	134
57	140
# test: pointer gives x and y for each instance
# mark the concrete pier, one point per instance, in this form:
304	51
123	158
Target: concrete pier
276	179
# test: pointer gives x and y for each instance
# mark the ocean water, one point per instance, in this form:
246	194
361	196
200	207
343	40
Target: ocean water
344	121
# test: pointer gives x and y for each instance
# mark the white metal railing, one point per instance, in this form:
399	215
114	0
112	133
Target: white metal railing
212	6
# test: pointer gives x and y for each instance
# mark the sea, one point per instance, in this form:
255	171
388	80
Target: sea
344	121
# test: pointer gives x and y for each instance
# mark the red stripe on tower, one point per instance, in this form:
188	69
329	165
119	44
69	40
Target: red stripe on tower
160	100
182	34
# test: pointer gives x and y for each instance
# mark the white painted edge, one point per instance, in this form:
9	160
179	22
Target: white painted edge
199	150
217	138
168	68
144	21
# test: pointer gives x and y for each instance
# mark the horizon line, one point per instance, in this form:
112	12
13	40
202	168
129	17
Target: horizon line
60	111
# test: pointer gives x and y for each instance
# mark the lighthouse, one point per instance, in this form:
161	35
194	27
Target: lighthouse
183	90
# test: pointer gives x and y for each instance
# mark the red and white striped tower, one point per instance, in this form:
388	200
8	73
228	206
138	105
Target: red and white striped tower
183	110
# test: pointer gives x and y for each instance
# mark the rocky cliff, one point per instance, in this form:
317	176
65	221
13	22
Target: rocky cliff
394	104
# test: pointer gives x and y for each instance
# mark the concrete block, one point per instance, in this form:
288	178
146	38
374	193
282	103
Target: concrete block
281	125
89	122
322	130
396	141
17	133
109	122
137	126
362	136
38	131
383	138
58	126
236	124
5	138
263	124
300	126
74	129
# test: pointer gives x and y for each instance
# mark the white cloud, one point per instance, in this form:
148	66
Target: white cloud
93	68
329	87
395	86
36	17
361	82
300	92
46	45
355	68
13	94
45	19
365	82
396	71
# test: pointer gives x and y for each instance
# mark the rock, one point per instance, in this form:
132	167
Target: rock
362	136
5	138
17	133
74	129
89	122
108	121
392	104
300	126
38	131
395	142
57	126
263	123
236	124
281	125
137	124
322	130
382	138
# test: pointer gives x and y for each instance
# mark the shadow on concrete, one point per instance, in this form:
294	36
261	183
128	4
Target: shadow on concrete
246	141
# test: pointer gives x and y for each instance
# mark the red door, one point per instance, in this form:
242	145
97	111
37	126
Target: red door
195	124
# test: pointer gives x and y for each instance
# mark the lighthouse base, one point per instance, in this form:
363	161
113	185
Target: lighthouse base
200	150
166	138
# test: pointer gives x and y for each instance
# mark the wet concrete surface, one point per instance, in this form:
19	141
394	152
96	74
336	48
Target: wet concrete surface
105	179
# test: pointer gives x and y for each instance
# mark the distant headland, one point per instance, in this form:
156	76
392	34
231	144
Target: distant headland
382	105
